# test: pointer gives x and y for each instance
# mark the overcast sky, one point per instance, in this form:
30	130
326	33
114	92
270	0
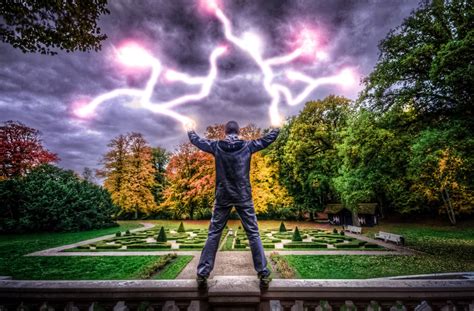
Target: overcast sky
39	90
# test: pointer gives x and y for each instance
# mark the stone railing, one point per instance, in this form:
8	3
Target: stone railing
238	293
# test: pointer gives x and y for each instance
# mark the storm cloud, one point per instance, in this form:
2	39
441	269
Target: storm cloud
38	90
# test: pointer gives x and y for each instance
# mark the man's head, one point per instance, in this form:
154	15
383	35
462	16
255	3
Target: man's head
231	128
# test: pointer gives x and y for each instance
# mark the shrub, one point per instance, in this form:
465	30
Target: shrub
296	236
191	246
148	245
237	241
304	245
118	234
127	232
181	228
282	227
108	246
342	232
162	235
334	231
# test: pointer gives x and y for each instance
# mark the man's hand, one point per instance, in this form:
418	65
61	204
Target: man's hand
189	125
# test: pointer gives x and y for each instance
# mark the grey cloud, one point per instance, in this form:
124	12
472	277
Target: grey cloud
38	90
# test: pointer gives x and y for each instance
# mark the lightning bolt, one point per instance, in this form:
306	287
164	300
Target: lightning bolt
251	44
133	55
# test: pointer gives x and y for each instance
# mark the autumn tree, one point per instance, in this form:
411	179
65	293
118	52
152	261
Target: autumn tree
160	158
21	149
191	178
129	174
44	26
190	182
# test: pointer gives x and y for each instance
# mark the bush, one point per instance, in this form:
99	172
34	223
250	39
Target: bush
181	228
296	236
148	245
191	246
108	246
342	233
334	231
127	232
118	234
52	199
162	235
304	245
282	227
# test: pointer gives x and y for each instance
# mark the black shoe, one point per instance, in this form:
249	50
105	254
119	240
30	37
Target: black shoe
264	281
201	281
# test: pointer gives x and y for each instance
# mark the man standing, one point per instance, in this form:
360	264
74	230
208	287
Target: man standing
232	158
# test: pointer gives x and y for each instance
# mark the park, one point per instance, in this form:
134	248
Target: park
323	150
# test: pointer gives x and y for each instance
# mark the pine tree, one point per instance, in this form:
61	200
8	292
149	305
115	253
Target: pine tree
282	227
296	236
162	235
181	228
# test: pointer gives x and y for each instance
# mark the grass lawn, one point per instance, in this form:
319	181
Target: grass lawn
14	264
447	248
171	271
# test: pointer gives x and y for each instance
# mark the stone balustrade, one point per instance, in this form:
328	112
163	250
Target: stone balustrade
239	293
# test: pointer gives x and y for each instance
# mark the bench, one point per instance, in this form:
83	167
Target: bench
353	229
387	236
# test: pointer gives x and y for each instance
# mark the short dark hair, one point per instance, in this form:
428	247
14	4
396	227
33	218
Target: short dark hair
231	127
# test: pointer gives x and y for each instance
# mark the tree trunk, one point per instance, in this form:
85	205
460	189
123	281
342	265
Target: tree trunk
449	206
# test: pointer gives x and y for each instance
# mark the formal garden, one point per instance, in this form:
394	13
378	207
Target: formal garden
180	238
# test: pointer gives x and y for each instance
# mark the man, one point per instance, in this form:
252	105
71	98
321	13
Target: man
232	160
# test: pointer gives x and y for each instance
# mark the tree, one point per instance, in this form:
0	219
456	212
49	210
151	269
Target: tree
161	235
426	62
282	227
307	154
129	174
181	228
21	150
160	158
296	236
441	170
88	174
43	26
190	187
53	199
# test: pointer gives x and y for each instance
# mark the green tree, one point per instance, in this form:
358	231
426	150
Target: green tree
308	154
162	235
282	227
160	158
44	26
296	236
52	199
426	62
181	228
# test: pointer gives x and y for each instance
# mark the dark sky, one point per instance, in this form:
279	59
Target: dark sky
39	90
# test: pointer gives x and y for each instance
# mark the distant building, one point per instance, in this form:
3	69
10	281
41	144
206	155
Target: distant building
367	214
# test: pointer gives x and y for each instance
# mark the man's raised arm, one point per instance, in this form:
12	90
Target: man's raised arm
205	145
265	141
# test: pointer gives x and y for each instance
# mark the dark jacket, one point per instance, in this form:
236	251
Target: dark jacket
232	157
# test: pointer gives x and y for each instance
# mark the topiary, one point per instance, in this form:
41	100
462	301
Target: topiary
334	231
162	235
296	236
118	233
282	227
127	232
342	233
181	228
